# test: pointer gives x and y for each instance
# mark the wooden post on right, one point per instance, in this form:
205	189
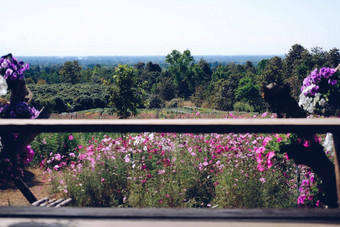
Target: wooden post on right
336	148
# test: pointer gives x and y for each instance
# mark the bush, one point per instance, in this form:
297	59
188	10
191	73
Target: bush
243	106
155	102
59	97
174	103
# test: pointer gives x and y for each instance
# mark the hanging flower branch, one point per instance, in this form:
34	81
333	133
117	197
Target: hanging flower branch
15	151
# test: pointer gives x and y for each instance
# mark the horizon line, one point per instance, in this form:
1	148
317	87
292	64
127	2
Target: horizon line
221	55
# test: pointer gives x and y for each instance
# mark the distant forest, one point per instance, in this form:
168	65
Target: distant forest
113	61
218	82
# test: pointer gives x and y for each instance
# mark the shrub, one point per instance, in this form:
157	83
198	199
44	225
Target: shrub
243	106
155	102
173	103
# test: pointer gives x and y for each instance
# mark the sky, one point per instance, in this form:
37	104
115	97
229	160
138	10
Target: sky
156	27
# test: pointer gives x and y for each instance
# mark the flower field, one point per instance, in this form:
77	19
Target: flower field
175	170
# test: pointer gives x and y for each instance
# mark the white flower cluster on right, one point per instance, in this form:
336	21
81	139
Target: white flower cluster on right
315	89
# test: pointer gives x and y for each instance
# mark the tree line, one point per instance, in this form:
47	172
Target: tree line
223	87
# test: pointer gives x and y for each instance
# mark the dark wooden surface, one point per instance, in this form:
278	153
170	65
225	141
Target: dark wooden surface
174	125
168	213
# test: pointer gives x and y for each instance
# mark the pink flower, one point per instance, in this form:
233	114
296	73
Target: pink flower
317	203
260	150
286	155
57	157
160	172
271	154
198	113
127	158
102	179
260	167
263	180
264	114
306	143
70	137
301	199
266	141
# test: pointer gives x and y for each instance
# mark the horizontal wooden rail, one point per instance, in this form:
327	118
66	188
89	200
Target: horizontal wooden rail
174	125
331	215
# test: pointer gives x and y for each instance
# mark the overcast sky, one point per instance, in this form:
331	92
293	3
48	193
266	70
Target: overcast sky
156	27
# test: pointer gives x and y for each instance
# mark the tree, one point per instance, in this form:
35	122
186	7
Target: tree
125	94
273	71
206	69
333	58
71	72
221	72
249	92
180	70
165	89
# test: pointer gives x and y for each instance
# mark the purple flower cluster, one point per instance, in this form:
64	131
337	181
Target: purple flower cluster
21	110
29	155
310	83
11	68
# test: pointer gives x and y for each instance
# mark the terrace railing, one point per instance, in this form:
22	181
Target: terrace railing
331	125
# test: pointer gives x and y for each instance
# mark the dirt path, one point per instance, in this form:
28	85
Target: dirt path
13	196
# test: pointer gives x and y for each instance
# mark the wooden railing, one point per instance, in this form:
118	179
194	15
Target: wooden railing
175	125
184	125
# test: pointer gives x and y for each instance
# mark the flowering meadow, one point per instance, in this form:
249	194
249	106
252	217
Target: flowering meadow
175	170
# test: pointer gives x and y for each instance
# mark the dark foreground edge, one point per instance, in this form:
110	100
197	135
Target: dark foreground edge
288	215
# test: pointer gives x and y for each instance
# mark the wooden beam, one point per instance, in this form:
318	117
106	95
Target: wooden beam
172	213
174	125
336	149
25	190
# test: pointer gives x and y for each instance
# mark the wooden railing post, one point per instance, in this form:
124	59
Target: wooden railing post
336	149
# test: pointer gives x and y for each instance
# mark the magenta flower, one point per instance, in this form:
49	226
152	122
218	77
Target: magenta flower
70	137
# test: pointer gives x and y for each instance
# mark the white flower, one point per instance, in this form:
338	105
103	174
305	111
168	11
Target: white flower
322	102
328	144
3	86
306	103
151	136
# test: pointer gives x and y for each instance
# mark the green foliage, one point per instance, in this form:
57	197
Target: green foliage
47	145
249	92
65	97
70	72
199	96
183	78
243	107
180	70
165	89
155	102
223	93
273	71
221	72
125	94
174	103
